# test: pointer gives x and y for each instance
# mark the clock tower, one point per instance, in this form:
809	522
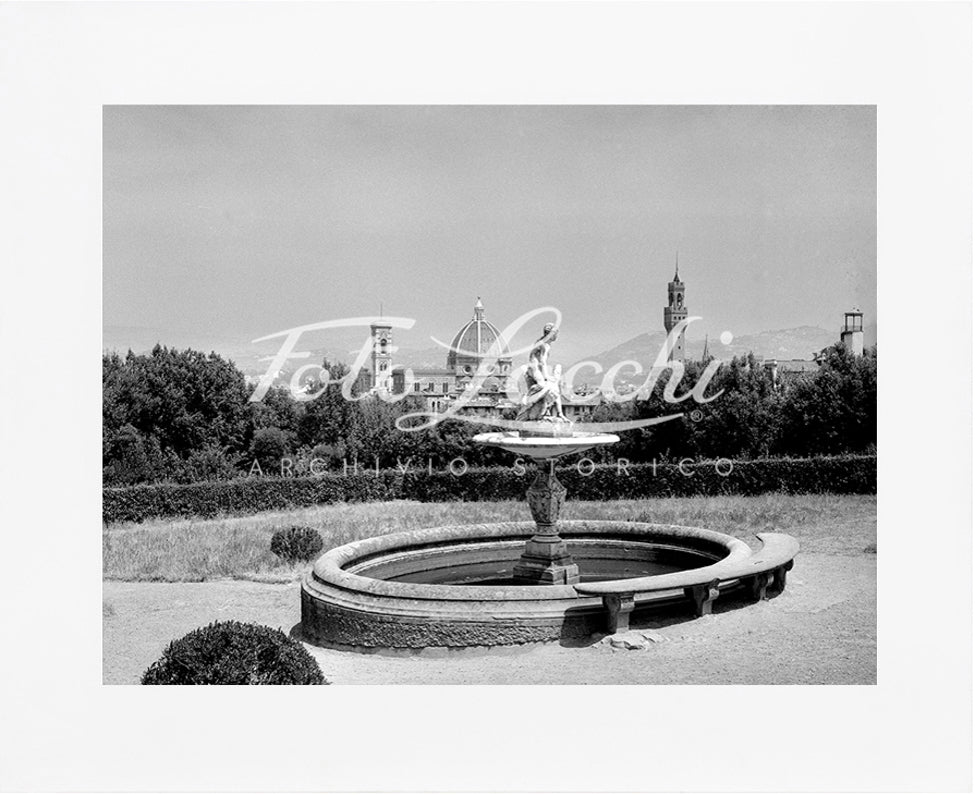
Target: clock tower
675	312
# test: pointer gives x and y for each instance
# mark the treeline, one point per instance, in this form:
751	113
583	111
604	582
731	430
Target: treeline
184	416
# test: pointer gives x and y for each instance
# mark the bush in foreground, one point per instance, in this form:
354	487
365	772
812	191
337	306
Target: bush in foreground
233	653
296	543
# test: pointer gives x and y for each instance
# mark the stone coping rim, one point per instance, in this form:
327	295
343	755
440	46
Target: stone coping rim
778	549
329	568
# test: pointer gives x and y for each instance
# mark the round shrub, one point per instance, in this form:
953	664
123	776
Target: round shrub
297	543
233	653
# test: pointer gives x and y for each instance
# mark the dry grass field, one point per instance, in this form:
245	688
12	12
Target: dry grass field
238	547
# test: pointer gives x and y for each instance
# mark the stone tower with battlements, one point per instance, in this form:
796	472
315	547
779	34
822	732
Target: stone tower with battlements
675	312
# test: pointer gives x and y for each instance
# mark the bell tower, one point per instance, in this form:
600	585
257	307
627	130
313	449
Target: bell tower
382	355
675	312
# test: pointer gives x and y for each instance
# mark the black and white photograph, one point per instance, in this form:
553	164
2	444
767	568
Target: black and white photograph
577	389
451	369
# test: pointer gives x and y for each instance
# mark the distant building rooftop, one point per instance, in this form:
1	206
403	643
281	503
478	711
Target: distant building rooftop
430	372
798	365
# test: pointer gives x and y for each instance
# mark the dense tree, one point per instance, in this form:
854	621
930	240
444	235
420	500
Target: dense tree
328	419
834	411
278	409
744	421
185	416
131	457
160	409
268	447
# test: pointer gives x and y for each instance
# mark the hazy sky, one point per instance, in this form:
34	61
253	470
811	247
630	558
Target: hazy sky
236	222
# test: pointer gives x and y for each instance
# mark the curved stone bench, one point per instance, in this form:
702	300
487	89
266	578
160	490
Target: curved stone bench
764	568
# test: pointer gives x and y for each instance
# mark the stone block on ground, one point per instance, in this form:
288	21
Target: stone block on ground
633	640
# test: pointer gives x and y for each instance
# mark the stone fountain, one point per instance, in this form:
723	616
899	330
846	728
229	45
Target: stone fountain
519	582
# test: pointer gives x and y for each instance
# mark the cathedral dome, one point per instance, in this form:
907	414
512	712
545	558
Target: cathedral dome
477	339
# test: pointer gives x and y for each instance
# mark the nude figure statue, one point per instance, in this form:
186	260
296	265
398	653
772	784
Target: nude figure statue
544	398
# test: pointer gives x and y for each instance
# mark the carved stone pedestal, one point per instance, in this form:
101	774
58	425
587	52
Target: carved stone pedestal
546	560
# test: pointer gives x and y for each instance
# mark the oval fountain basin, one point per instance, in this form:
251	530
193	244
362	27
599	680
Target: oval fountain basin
542	447
453	586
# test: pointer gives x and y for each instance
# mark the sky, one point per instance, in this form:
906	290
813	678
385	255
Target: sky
231	223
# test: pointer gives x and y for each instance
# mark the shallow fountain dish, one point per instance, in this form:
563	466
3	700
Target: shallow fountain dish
540	446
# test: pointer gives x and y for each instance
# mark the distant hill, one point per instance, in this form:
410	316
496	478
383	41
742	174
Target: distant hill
795	343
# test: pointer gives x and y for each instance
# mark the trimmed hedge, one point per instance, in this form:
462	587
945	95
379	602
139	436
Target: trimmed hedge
839	475
296	543
234	653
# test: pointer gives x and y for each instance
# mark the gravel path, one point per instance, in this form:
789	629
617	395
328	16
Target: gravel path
821	630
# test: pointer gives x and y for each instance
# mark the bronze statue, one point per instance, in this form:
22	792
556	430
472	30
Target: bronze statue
544	398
